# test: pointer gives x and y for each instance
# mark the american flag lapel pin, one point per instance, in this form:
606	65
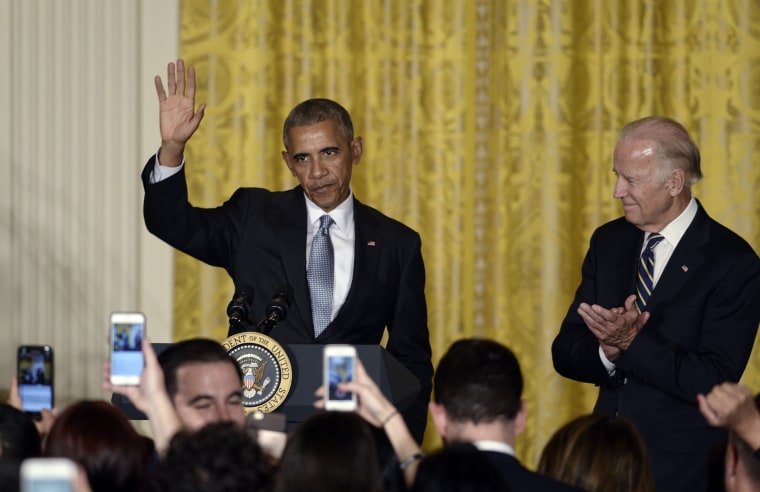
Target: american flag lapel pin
370	243
684	268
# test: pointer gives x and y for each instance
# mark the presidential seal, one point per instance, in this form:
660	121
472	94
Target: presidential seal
267	372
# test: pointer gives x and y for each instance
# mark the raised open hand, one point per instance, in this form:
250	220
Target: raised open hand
178	117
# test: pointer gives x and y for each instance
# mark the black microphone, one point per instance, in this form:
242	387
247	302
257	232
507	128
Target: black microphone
239	308
277	309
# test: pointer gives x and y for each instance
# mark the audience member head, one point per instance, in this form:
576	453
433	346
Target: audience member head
204	383
459	467
331	451
742	470
19	438
598	453
392	474
220	457
10	475
99	437
476	393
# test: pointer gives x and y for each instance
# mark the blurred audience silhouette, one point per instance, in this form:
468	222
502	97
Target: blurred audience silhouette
598	453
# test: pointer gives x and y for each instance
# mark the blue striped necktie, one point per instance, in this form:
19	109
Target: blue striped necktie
645	280
320	276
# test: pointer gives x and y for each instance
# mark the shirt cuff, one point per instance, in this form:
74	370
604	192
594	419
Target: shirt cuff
160	173
607	364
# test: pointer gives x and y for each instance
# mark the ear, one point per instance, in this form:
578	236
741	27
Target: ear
520	418
676	181
732	461
357	149
288	162
440	419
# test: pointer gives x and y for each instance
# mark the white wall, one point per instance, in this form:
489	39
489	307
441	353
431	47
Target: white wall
78	119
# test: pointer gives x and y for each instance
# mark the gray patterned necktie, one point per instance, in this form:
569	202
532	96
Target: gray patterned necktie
320	276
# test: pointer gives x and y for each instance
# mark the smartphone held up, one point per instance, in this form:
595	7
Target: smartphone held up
48	475
34	372
127	333
339	367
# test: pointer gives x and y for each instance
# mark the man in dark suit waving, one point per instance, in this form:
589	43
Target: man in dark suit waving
353	271
668	305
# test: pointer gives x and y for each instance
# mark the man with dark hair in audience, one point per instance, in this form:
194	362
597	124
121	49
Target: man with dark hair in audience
742	466
19	440
221	457
742	463
204	383
733	407
192	383
477	398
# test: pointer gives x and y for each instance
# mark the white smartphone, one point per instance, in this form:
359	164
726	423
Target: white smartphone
127	333
34	372
48	475
339	367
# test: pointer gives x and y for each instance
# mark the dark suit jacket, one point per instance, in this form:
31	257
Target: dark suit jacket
704	310
259	237
520	478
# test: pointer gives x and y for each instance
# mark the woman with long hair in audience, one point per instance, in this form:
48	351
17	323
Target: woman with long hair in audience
598	453
330	451
99	437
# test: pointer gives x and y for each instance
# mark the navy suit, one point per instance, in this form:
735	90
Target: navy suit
704	310
520	478
259	237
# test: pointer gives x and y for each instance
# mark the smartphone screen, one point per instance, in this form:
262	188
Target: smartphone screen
48	475
340	366
127	333
34	371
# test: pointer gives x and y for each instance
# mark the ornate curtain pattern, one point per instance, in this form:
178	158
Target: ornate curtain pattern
489	127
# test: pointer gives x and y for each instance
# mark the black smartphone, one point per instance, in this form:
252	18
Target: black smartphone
34	371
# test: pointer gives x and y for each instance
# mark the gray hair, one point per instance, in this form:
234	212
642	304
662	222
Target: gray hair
674	146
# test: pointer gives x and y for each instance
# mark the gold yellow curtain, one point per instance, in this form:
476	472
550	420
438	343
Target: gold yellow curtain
489	127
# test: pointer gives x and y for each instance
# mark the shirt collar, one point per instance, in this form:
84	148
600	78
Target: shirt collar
674	231
343	214
496	446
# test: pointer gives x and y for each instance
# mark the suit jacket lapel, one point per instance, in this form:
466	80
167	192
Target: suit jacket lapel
368	245
291	237
685	260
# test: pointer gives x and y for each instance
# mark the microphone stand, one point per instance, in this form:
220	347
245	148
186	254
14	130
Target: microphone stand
239	309
275	313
